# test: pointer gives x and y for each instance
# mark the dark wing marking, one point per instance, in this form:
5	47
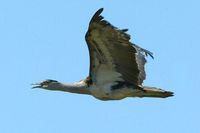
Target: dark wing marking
110	46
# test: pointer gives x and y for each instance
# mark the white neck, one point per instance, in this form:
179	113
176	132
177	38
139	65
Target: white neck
78	87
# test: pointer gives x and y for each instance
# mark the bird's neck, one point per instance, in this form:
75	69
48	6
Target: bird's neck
77	87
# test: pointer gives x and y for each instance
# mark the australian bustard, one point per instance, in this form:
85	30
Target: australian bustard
116	66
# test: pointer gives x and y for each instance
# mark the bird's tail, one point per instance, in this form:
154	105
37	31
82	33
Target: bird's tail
154	92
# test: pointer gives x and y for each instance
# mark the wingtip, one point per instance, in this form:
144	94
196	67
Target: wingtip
100	10
147	52
97	16
151	55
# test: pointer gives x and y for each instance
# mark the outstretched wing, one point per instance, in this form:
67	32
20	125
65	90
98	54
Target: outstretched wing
112	56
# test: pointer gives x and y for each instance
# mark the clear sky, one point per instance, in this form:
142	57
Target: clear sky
44	39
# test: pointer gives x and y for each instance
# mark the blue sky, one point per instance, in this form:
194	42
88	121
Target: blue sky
44	39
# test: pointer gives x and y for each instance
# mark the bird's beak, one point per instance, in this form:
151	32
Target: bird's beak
36	85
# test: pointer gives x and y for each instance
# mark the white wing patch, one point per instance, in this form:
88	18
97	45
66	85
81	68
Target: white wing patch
105	79
105	75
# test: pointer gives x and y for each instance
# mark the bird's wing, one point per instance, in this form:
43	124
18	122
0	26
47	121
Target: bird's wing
112	55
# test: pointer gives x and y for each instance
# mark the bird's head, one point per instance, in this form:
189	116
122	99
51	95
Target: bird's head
47	84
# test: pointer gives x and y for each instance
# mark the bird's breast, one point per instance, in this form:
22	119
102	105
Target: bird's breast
105	92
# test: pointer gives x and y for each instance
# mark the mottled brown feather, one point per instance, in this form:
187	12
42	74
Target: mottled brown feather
109	45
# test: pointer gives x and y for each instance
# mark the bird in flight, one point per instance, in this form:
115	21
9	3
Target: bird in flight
116	66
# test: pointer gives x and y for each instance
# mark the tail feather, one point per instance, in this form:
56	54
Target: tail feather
155	92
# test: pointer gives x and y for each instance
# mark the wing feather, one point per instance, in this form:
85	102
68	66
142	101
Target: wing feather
110	46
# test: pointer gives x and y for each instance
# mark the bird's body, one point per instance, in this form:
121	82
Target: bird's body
116	66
